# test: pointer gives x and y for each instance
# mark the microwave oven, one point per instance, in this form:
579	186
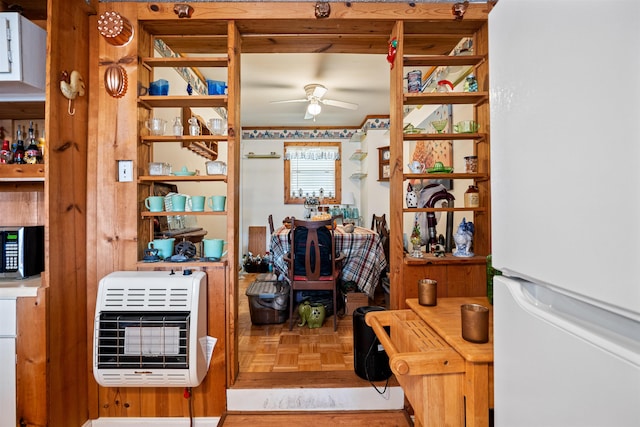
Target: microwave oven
21	251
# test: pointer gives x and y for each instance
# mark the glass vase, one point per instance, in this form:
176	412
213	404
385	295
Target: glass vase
417	251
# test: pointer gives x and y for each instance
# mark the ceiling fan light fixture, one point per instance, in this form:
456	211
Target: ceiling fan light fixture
314	108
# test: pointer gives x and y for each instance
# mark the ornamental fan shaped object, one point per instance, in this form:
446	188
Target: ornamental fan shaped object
115	80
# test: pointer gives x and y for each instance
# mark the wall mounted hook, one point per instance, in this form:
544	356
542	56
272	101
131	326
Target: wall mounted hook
71	86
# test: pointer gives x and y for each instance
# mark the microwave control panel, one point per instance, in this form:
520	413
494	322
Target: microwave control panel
10	250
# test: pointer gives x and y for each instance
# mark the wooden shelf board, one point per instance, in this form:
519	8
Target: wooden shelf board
413	210
447	259
183	101
186	264
474	98
147	139
475	176
22	172
21	110
443	136
195	178
436	60
183	61
183	213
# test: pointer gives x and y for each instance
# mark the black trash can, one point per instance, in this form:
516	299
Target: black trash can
370	361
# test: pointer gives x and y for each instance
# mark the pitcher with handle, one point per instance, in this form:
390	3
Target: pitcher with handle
416	167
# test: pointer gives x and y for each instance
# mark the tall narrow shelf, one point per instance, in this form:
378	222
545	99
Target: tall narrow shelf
460	276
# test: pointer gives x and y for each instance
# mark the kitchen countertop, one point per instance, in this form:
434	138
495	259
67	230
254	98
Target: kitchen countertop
15	288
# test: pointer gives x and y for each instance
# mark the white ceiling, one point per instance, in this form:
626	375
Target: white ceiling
360	79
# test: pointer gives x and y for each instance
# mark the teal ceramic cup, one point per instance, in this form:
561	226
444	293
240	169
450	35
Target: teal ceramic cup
178	202
216	203
164	247
196	203
154	203
213	248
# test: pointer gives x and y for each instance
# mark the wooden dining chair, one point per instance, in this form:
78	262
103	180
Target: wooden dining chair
312	261
378	223
271	229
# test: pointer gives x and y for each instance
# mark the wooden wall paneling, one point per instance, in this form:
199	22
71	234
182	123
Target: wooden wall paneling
93	92
31	359
233	197
414	273
65	198
22	208
396	114
467	279
209	398
116	218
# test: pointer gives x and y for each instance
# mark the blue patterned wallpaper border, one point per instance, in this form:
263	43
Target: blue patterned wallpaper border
375	123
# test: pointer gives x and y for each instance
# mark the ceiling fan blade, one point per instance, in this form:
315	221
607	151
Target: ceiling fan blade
307	116
319	91
288	101
339	104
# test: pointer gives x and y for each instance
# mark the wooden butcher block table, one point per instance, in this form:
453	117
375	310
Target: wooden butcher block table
449	381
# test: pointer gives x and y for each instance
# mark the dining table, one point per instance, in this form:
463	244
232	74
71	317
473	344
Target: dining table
364	255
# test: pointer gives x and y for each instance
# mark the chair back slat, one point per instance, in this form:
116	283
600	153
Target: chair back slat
317	258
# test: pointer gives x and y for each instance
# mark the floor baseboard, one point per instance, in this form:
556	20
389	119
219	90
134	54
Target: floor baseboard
315	399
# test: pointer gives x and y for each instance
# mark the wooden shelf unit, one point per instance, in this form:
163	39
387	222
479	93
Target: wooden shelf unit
456	276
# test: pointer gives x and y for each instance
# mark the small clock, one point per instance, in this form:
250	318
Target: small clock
384	169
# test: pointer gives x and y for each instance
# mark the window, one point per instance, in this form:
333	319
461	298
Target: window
312	169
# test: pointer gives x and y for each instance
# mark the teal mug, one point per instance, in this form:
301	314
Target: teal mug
154	203
196	203
216	203
213	248
178	202
163	246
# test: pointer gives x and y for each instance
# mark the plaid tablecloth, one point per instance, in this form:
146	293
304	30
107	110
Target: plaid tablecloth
364	260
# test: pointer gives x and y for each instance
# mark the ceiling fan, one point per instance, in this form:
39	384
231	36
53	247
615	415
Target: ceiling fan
315	92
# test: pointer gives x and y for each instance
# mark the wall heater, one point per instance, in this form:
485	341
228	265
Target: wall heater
150	329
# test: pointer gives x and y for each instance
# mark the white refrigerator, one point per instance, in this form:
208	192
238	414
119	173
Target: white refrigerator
565	179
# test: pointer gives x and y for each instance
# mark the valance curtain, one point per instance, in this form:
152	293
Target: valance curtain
311	153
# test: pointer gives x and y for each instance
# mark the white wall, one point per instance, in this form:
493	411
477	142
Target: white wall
262	184
375	194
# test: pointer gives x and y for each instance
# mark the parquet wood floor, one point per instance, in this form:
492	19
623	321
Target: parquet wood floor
273	348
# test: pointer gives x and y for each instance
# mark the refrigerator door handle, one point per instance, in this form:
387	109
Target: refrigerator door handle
611	332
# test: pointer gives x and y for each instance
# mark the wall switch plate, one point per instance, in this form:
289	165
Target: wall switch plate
125	170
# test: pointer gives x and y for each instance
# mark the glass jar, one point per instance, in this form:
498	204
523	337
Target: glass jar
177	127
472	197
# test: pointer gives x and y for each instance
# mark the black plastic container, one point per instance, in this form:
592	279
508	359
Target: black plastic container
268	302
370	361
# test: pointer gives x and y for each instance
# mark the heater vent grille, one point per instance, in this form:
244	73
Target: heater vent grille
143	341
155	298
